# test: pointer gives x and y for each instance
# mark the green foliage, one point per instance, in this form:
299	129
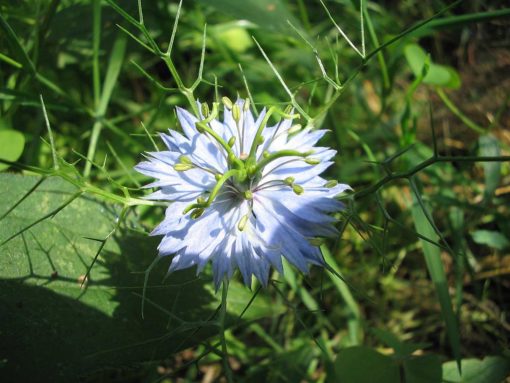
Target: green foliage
416	101
65	320
492	369
12	148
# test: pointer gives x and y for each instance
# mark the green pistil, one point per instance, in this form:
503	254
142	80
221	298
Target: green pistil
274	156
245	171
239	175
202	126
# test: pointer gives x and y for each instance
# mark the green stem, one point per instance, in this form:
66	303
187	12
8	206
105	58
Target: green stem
380	56
186	92
222	317
450	105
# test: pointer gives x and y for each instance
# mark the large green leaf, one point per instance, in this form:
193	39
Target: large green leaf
12	143
53	327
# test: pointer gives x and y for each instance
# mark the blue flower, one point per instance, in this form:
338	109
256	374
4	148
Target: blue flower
243	194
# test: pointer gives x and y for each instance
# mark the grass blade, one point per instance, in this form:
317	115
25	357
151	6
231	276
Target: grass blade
437	274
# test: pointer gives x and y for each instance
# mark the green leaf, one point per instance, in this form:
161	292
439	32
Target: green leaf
492	369
423	369
267	14
55	327
234	37
491	238
12	143
363	364
424	225
440	75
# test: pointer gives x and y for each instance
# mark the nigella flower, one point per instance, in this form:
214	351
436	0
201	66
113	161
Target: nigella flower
243	194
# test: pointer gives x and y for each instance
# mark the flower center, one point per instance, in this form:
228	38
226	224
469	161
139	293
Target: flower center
244	172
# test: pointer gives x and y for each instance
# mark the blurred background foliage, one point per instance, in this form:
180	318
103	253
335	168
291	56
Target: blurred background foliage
421	127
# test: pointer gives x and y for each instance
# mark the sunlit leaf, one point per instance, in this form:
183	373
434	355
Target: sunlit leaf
12	143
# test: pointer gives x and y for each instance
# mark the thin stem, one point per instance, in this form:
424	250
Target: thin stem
450	105
280	154
222	317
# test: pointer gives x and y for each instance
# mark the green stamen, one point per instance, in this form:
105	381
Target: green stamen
298	189
183	167
312	161
242	222
227	102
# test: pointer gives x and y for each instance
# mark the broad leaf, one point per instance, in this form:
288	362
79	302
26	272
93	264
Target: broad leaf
492	369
